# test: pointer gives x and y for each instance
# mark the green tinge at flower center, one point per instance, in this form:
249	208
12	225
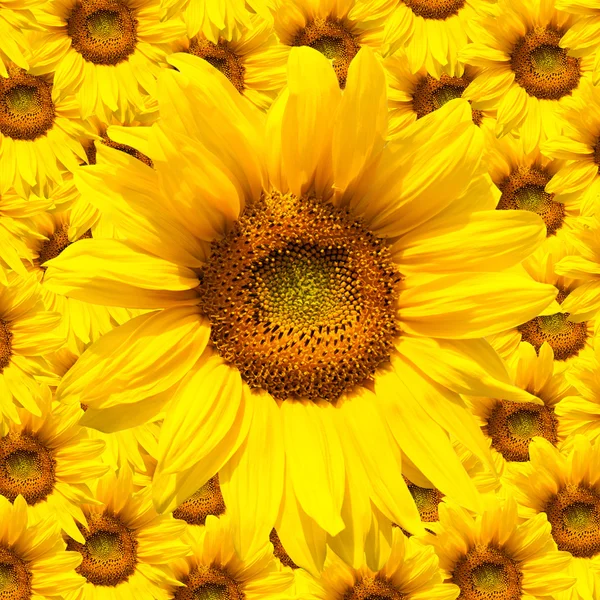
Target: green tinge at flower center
211	591
23	465
21	99
552	324
489	578
7	577
105	24
531	198
523	424
445	94
579	516
103	545
547	59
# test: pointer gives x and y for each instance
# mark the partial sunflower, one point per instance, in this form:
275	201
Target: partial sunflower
107	52
411	96
39	132
497	556
526	75
126	546
578	147
264	299
214	570
33	561
432	32
337	30
252	59
28	336
562	490
51	461
571	336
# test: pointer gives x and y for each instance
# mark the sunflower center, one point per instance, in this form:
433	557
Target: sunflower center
5	345
427	501
374	588
486	572
431	94
435	9
26	107
27	467
542	67
223	58
56	243
103	31
524	190
574	513
15	577
209	583
208	500
332	39
566	338
90	151
301	299
279	551
110	550
511	425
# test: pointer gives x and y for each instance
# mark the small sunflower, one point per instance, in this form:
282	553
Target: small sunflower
318	231
432	32
562	490
50	461
496	556
125	545
252	59
107	52
33	561
578	147
411	96
214	570
28	336
526	75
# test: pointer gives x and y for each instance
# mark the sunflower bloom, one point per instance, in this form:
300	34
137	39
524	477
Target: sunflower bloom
310	221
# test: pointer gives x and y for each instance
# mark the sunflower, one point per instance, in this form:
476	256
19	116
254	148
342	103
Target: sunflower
410	572
496	556
33	562
411	96
571	336
107	52
431	32
578	179
562	490
252	59
318	230
526	75
28	336
125	545
50	461
336	29
39	132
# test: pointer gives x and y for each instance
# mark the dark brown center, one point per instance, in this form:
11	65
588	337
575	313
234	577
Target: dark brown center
90	151
427	501
15	576
223	58
209	583
208	500
5	345
56	243
435	9
279	551
374	588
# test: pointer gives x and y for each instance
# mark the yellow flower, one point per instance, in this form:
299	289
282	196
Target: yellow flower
33	562
322	294
526	74
16	17
495	555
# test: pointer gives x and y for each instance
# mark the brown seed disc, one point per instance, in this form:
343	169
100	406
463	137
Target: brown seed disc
332	39
110	550
524	189
301	298
542	68
279	551
209	583
56	243
597	154
435	9
374	588
431	94
487	573
15	576
574	514
427	501
208	500
26	107
5	344
223	58
565	337
27	467
90	151
511	425
103	31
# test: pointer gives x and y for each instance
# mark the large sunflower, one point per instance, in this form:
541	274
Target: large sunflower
324	310
107	52
33	561
526	74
